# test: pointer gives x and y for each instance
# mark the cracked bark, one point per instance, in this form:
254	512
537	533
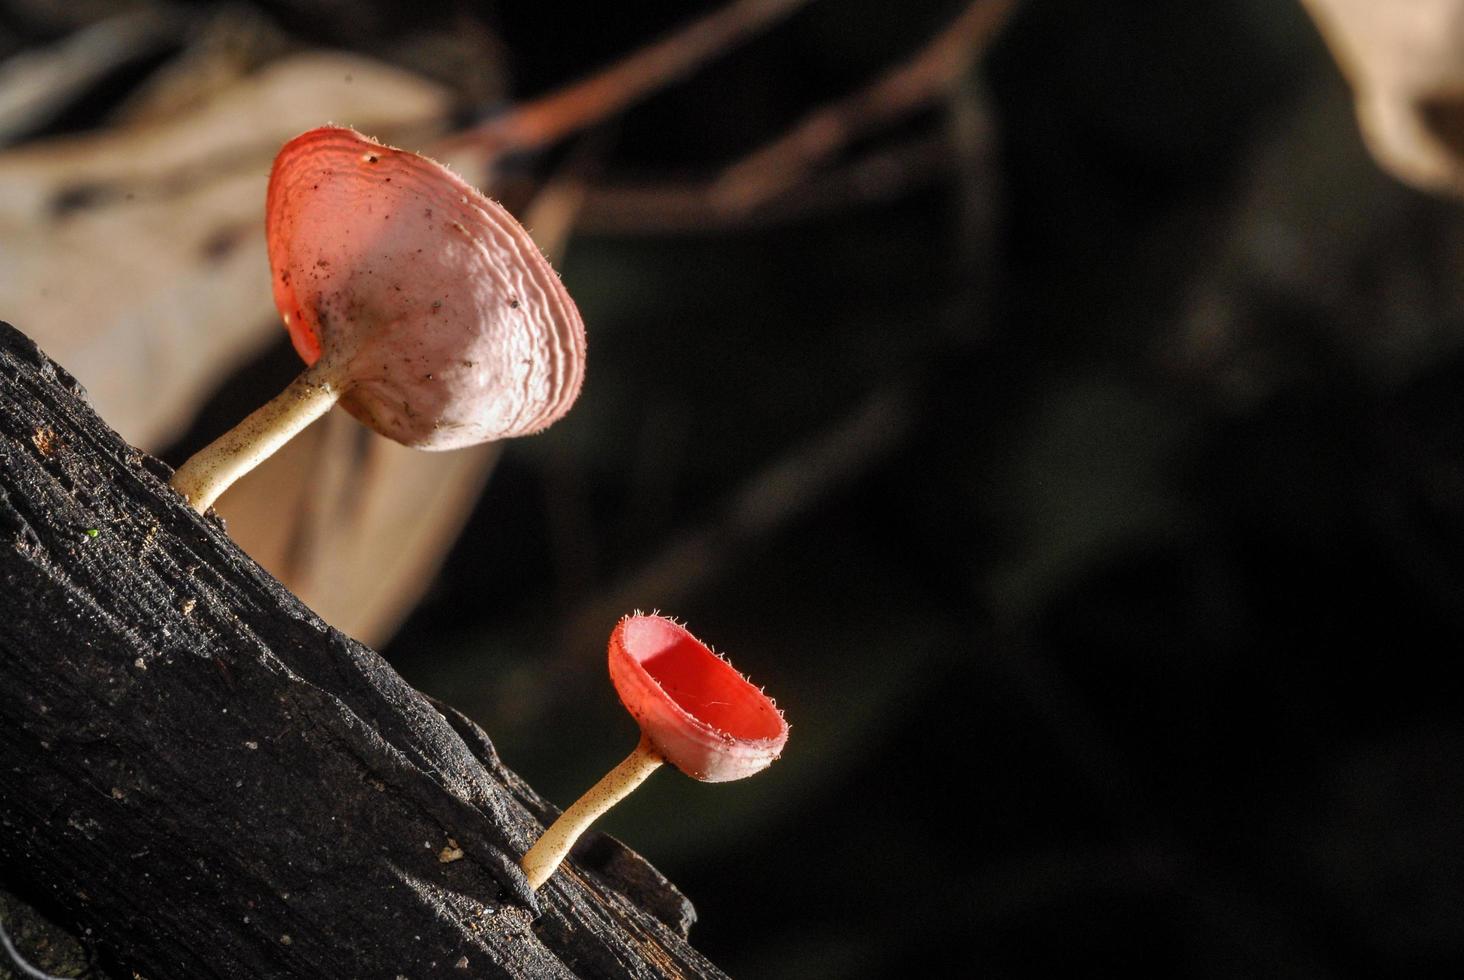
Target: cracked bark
213	782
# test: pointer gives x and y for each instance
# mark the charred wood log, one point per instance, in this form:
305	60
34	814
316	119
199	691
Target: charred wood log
206	780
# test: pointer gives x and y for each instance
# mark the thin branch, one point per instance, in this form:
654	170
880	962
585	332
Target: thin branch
777	181
695	208
552	117
522	127
779	165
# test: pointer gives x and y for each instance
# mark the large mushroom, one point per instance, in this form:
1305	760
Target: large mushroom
695	711
420	305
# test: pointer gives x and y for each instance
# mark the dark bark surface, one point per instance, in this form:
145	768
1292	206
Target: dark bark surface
209	781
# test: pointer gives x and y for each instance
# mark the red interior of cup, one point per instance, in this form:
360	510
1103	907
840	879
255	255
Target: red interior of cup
704	717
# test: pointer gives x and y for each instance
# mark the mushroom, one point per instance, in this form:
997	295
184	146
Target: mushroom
420	305
695	711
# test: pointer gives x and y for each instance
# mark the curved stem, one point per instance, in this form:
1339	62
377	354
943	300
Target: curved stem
541	860
215	467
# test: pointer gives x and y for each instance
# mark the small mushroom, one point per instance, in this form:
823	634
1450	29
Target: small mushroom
695	711
420	305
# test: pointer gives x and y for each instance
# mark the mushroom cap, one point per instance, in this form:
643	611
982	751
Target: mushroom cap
434	311
704	717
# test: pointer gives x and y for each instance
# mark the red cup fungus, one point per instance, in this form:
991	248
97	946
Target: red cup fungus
695	711
420	305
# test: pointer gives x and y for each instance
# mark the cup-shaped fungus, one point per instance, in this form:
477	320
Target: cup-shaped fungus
695	711
420	305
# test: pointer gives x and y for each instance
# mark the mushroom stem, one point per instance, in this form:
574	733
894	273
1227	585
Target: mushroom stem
541	860
215	467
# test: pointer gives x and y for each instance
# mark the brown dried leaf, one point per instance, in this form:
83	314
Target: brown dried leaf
36	85
1405	62
353	523
135	256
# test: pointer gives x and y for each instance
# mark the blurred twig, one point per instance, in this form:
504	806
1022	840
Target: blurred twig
792	484
527	126
542	121
781	180
935	68
694	207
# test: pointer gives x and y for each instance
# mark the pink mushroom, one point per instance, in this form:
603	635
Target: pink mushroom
421	306
695	711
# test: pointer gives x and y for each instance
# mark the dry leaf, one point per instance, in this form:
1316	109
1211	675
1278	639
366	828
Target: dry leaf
136	256
36	85
1405	62
355	524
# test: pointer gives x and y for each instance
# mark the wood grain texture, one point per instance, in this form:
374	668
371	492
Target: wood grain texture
215	783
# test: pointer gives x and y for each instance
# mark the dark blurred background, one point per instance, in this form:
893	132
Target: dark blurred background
1089	493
